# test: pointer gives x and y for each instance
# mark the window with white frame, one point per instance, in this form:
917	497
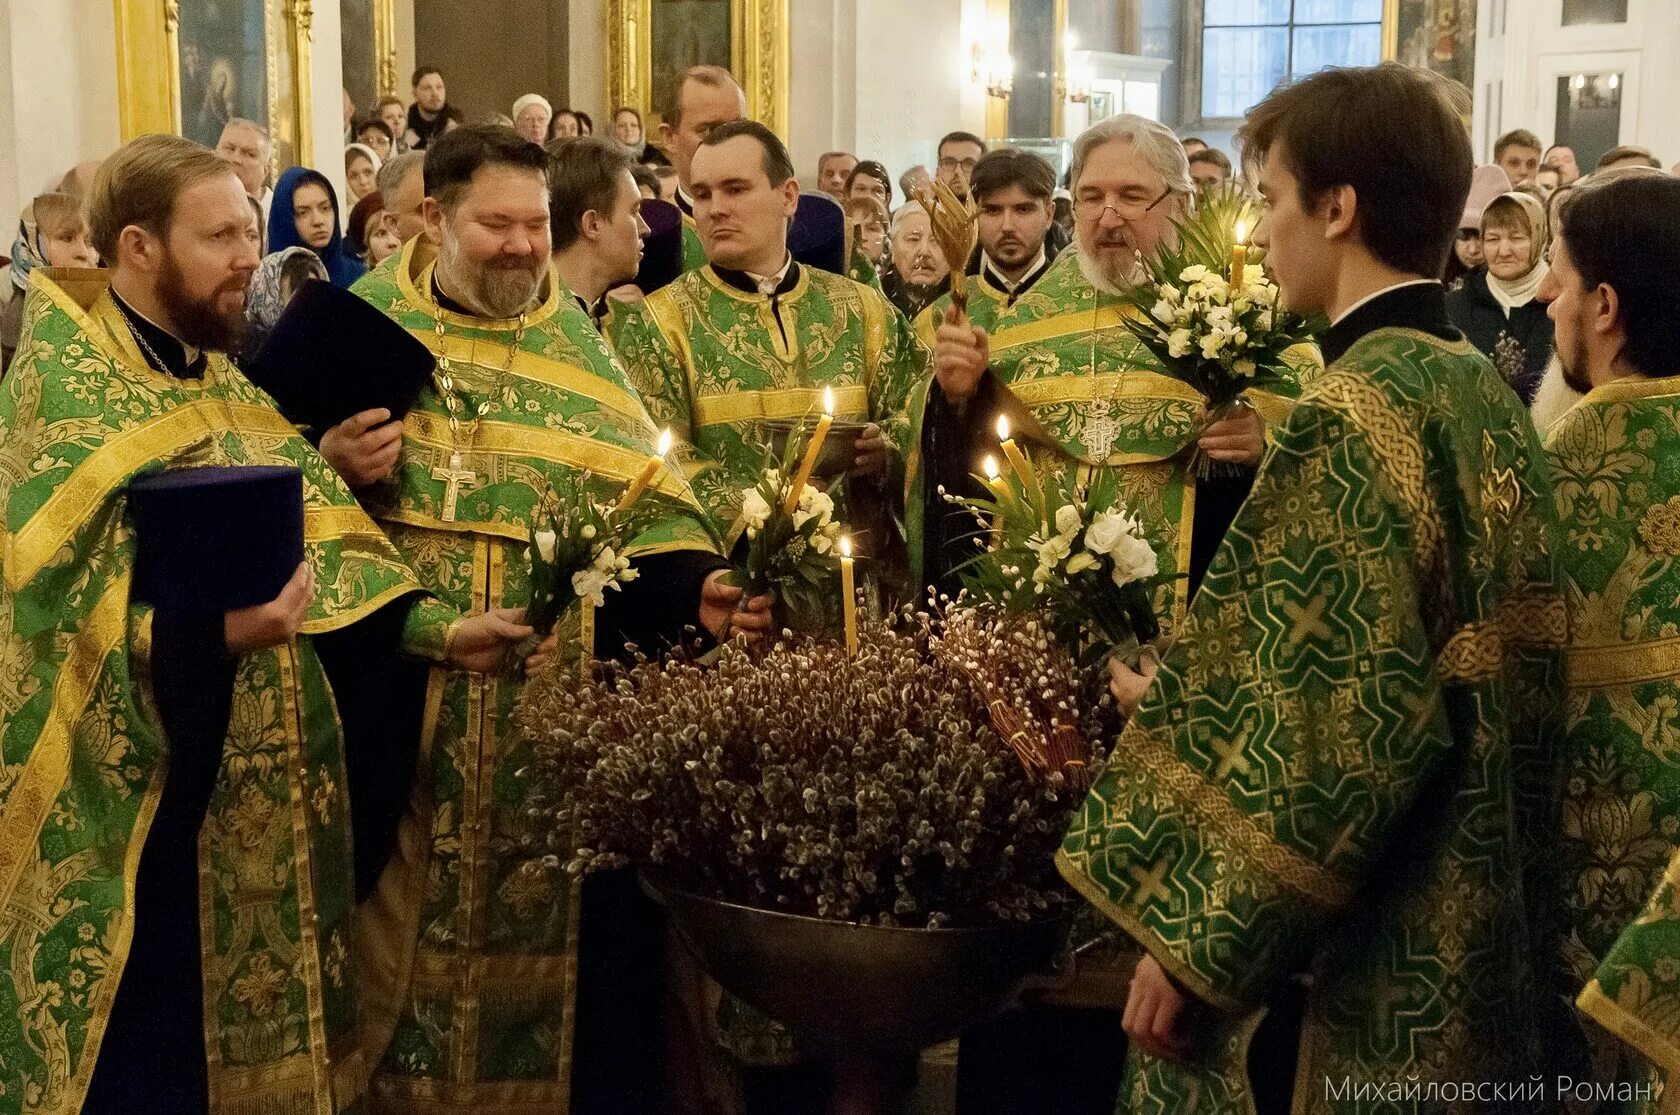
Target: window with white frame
1249	46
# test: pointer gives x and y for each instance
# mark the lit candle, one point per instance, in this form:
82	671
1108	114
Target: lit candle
1239	258
848	595
649	471
812	452
1017	459
994	478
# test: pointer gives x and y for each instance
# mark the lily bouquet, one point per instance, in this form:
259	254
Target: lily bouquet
1066	552
792	550
1208	312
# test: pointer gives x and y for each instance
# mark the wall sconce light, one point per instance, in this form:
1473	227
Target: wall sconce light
992	67
1073	78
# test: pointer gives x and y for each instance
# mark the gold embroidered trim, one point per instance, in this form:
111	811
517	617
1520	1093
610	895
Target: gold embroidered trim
1477	650
1212	810
1633	387
851	402
332	524
1659	1048
1137	383
1073	323
1622	663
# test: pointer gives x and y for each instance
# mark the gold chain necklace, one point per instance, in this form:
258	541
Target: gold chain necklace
457	476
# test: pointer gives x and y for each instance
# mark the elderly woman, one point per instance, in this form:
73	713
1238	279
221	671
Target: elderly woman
1496	307
1487	183
531	116
361	170
916	274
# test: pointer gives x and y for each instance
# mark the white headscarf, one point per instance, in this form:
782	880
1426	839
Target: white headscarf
527	101
1512	293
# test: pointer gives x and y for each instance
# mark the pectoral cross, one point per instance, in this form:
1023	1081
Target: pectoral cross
457	478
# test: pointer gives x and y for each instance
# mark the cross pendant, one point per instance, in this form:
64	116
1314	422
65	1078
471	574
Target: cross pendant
457	478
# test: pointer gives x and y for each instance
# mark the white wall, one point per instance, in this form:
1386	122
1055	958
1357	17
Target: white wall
58	95
1526	48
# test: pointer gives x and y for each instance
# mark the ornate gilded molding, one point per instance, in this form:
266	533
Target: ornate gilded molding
300	18
759	50
385	48
148	66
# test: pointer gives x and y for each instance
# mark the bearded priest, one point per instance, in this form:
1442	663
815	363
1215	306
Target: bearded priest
177	871
471	951
1342	784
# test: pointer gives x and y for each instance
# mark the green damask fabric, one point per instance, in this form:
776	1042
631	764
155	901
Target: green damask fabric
1347	765
715	365
1615	462
1081	391
479	1013
81	416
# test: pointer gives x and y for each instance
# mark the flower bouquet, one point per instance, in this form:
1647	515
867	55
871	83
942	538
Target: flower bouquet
1210	315
792	537
843	839
1067	552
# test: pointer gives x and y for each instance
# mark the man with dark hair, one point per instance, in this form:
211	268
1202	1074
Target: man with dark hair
833	171
1627	155
1549	178
1564	159
707	98
958	154
187	821
1209	167
1193	144
1612	289
595	214
791	332
514	352
1518	154
431	115
1345	767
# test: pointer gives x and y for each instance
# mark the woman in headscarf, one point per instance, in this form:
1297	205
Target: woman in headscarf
53	232
1487	183
278	277
531	116
361	170
1496	307
306	215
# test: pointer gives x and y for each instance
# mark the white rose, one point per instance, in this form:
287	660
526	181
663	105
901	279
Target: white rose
1170	292
545	544
1163	312
1134	560
755	512
821	543
1068	521
1106	530
1178	343
591	584
1211	344
1053	551
1193	274
1080	562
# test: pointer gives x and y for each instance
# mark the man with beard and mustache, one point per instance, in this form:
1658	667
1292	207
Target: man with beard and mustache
471	953
1611	294
179	868
1333	816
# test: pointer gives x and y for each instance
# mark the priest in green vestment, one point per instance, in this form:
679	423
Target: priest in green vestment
1344	777
1615	459
754	338
1012	191
472	951
707	97
176	866
1077	387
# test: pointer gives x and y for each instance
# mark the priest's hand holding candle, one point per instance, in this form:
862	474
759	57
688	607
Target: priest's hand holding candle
813	452
848	594
649	472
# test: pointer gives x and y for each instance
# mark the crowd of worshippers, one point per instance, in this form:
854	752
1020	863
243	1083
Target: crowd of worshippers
1372	604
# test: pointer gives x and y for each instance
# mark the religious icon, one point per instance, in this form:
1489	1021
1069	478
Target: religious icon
1438	35
687	33
224	66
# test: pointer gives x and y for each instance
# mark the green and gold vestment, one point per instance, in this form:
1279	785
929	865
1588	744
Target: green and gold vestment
714	365
1347	763
1080	389
82	414
475	947
1615	461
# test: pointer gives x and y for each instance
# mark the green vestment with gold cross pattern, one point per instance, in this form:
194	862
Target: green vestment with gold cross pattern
1615	461
1081	391
1347	766
475	947
715	365
82	414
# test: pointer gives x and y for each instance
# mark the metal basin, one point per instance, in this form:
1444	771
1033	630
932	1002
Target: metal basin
840	984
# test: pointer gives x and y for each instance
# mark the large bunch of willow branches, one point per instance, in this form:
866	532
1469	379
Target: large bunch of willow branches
872	788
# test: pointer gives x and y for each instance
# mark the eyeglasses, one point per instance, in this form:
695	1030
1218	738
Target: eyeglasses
949	163
1096	208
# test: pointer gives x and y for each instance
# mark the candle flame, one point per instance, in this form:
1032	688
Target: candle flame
845	545
1242	231
1003	427
991	466
828	401
664	441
